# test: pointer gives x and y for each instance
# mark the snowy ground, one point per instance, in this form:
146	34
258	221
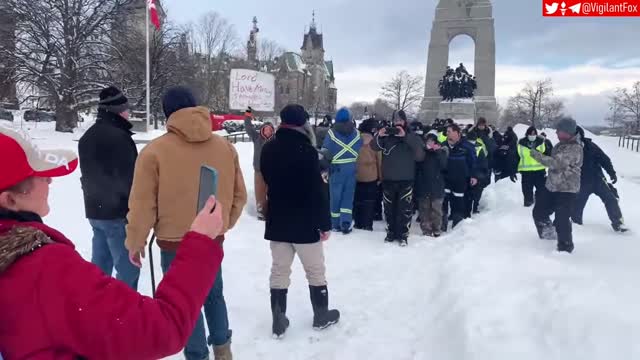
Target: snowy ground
490	290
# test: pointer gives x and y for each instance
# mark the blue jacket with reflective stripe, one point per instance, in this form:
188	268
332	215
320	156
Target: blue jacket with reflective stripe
343	146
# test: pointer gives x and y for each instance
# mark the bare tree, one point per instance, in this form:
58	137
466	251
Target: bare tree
617	115
359	109
627	102
213	39
535	105
269	50
403	91
129	66
382	109
61	49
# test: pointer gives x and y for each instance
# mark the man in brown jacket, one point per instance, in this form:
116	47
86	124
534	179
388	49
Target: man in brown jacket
164	197
368	177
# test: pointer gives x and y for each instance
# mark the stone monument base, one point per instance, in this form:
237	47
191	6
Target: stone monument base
434	107
463	111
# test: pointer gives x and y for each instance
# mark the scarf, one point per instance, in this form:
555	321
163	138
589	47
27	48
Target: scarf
20	240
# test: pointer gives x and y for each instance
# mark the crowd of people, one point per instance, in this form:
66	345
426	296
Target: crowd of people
309	182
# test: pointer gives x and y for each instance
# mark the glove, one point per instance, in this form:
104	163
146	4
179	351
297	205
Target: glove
614	179
514	178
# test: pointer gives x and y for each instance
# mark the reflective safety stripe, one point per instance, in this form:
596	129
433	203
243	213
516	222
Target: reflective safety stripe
345	148
346	211
447	191
334	215
458	194
343	161
479	150
484	146
407	195
527	162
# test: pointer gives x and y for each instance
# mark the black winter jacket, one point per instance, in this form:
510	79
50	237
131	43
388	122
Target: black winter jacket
399	156
107	160
595	159
298	207
430	176
461	166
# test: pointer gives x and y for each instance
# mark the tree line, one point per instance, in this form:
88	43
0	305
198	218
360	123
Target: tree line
63	52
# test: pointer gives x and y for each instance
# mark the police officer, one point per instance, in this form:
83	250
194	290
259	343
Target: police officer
534	174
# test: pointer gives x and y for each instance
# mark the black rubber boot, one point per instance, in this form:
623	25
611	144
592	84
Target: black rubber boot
279	312
322	316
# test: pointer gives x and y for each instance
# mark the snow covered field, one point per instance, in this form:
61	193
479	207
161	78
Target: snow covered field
490	290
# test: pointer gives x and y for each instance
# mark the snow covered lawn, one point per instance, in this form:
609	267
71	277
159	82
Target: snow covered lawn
490	290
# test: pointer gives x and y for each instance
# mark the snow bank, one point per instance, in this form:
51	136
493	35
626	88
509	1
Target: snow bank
490	290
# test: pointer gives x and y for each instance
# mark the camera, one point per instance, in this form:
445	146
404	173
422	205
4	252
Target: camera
392	131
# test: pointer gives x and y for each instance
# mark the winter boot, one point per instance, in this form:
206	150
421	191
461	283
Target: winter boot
566	247
346	228
223	352
322	316
279	312
528	203
437	234
404	242
390	238
619	227
546	230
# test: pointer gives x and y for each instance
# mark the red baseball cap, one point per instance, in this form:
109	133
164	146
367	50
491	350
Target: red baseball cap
20	159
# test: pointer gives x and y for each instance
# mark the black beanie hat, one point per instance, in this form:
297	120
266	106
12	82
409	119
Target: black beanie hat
293	115
113	100
177	98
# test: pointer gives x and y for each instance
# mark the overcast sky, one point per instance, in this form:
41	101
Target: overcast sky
587	58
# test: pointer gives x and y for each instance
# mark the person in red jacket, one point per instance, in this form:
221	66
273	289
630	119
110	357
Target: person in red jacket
56	305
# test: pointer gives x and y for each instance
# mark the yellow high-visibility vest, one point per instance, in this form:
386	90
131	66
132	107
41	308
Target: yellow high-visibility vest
527	162
442	137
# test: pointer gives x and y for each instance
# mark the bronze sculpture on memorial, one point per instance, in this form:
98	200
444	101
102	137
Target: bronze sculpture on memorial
458	84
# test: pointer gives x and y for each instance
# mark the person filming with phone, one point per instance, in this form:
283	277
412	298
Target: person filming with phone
164	197
400	152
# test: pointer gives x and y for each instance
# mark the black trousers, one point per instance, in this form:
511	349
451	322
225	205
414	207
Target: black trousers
561	204
364	204
600	188
398	208
378	205
454	202
531	180
472	199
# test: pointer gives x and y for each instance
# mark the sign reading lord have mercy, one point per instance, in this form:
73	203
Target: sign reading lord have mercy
251	88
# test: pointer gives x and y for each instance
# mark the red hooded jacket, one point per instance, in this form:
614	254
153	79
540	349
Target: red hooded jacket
56	305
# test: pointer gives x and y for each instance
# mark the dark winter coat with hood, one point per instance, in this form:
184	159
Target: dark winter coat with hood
107	161
461	166
399	156
430	177
298	207
58	306
506	156
258	138
595	159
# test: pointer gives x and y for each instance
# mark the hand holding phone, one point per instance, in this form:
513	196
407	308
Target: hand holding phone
208	186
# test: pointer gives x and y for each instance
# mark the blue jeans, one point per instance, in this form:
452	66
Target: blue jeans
215	310
109	251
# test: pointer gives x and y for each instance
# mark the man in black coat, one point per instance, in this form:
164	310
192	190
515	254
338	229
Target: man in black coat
298	217
107	161
460	175
506	157
594	182
401	150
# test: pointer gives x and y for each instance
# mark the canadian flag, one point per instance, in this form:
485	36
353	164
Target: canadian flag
153	11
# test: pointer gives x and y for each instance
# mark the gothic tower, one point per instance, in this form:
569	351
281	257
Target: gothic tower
252	44
313	45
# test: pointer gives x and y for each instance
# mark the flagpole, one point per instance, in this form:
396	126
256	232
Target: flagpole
148	65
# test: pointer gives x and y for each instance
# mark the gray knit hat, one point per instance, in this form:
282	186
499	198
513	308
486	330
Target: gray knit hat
567	125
